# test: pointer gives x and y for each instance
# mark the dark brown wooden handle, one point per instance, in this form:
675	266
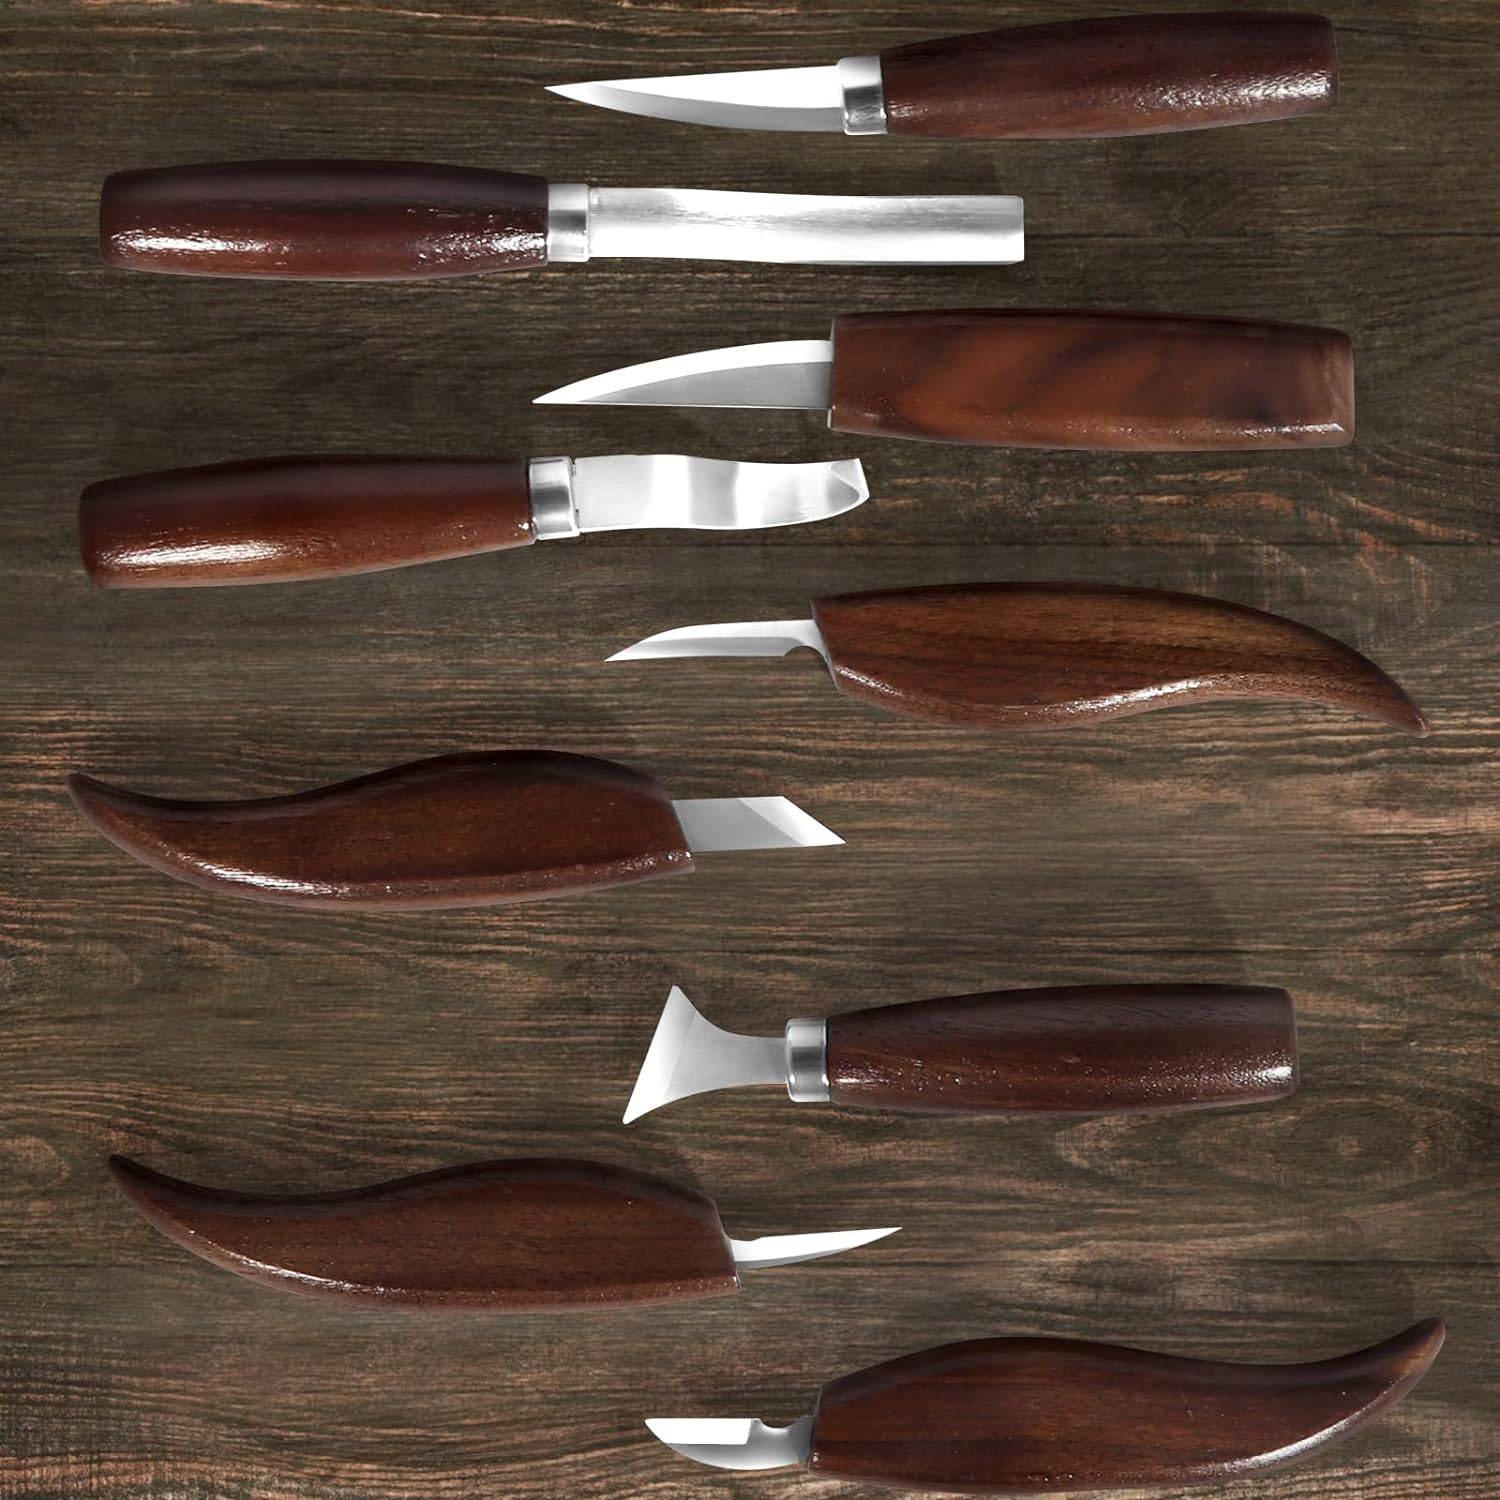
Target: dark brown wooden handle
1031	1416
505	1235
1089	380
280	520
1126	75
325	220
1081	1049
1046	655
482	829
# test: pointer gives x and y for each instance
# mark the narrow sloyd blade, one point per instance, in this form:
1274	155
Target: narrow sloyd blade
735	1442
766	99
715	824
788	1249
790	374
812	229
748	638
630	491
690	1055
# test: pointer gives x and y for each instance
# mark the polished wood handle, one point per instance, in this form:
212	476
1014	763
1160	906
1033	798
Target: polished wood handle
1079	1049
482	829
325	220
1032	1416
1018	656
1125	75
507	1235
279	520
1089	380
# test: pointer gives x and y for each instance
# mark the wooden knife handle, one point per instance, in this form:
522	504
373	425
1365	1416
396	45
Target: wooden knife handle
482	829
506	1235
1031	1416
1126	75
278	520
327	220
1076	1050
1090	380
1017	656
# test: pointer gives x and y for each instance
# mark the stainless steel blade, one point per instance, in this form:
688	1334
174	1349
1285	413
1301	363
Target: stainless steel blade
669	490
806	228
788	1249
735	1442
690	1055
765	99
715	824
791	374
748	638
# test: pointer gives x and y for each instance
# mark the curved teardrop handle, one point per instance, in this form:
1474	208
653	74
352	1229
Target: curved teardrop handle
1030	1416
506	1235
1046	655
481	829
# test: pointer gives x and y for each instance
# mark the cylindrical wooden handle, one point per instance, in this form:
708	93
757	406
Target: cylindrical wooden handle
1020	656
1125	75
279	520
326	220
1033	1416
1090	380
482	829
1080	1049
506	1235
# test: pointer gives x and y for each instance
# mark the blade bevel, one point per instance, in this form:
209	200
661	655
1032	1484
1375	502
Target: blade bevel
746	638
715	825
769	1250
760	99
735	1442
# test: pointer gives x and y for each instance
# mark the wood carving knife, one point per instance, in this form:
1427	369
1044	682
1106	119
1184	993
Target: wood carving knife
1076	1050
1027	1416
1125	382
1015	656
480	829
1124	75
387	220
503	1236
282	519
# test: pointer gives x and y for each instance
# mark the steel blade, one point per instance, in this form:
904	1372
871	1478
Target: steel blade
670	490
792	374
735	1442
788	1249
748	638
716	824
806	228
690	1055
765	99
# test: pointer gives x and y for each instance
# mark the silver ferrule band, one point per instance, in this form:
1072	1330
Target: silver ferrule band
553	513
807	1061
567	222
864	95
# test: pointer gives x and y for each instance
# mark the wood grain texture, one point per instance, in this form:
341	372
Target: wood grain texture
1076	1049
1078	380
282	520
1034	1416
497	1235
251	1044
1118	75
1047	656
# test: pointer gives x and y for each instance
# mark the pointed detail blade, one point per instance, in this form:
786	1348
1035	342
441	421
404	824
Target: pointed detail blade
748	638
715	825
735	1442
763	99
788	1249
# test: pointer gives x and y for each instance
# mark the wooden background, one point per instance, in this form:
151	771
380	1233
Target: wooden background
269	1049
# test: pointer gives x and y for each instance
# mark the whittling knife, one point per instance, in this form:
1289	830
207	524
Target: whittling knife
530	1233
1077	1050
1046	655
1013	379
281	519
1125	75
385	220
1015	1416
482	829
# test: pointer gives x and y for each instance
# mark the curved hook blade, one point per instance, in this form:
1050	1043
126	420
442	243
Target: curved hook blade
735	1442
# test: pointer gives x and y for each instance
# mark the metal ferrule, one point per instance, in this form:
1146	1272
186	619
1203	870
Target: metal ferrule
567	222
864	95
553	514
807	1060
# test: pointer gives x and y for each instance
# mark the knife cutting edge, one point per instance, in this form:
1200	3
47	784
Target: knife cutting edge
1124	75
383	220
284	519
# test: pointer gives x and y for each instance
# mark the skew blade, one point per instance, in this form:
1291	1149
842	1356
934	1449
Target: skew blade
750	638
735	1442
717	824
788	1249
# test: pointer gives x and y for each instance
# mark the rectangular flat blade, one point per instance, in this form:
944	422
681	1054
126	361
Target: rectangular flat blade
716	824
